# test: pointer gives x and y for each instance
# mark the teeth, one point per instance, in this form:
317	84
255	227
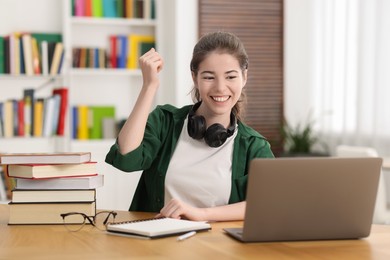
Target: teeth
220	99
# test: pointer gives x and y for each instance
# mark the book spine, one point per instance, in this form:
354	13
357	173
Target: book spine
63	93
2	60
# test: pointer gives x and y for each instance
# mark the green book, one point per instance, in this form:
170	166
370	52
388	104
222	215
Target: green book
49	37
2	59
145	47
97	8
119	8
97	114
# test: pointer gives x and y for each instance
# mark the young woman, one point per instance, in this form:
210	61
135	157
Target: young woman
194	159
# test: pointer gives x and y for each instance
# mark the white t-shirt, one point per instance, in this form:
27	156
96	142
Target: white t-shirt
198	174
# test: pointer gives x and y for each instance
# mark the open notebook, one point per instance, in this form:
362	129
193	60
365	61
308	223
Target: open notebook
156	227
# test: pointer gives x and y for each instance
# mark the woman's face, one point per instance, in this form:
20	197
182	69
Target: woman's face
220	82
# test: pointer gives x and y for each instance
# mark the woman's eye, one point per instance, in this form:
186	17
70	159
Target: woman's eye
208	78
231	77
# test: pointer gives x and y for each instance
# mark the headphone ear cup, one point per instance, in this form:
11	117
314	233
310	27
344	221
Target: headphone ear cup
196	127
215	135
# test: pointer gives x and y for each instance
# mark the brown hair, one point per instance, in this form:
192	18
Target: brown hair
222	42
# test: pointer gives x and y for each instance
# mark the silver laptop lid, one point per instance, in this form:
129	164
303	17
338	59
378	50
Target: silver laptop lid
310	198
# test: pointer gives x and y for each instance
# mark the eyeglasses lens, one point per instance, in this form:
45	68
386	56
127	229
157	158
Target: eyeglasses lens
74	222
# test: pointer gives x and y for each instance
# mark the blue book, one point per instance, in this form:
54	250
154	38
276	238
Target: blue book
96	60
122	52
74	122
109	8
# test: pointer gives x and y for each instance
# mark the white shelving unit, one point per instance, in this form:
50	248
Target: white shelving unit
176	33
117	87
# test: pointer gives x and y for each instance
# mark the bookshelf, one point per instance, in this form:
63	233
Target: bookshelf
87	86
175	30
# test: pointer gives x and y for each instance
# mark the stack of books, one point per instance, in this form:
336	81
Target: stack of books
48	185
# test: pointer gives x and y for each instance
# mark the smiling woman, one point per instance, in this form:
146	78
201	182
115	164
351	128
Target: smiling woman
195	158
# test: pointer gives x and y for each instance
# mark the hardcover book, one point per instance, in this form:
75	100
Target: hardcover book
83	182
46	213
39	171
45	158
45	196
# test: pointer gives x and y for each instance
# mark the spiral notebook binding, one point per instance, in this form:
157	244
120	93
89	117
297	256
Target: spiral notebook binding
136	221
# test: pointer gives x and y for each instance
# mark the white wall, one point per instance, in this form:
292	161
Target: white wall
31	16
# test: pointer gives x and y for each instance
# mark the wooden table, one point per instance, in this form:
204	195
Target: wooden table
55	242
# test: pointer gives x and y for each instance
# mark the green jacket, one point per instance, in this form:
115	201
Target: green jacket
153	156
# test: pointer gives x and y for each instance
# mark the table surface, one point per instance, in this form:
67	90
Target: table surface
55	242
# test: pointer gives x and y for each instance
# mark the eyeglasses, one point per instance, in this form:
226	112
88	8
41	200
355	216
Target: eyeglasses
75	221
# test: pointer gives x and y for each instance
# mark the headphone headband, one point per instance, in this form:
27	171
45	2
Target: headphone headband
215	135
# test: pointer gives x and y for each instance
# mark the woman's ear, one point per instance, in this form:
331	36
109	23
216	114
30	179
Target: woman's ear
194	78
244	77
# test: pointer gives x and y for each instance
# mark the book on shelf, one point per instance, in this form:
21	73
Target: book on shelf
109	128
93	122
79	8
35	116
15	55
57	56
88	8
97	114
2	58
44	57
113	61
39	171
63	108
24	52
83	182
157	227
122	51
82	122
35	57
109	8
38	117
97	8
8	118
15	119
20	118
46	213
45	158
49	114
28	98
6	54
1	120
120	8
135	42
49	195
114	8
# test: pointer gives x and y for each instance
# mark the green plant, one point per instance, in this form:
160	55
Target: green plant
299	139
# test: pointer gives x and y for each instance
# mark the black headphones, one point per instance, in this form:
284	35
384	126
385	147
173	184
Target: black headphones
215	135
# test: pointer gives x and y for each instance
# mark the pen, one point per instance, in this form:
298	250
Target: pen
186	235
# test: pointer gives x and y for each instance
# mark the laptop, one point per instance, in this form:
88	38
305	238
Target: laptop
316	198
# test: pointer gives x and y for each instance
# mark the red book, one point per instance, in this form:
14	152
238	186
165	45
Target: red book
88	7
21	117
113	54
63	92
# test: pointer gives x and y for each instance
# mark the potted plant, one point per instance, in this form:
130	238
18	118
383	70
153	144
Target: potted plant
299	140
